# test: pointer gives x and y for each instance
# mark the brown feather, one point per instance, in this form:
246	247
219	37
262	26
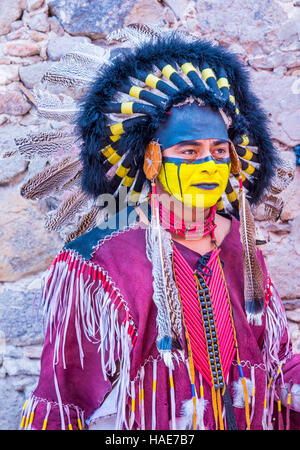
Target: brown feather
234	159
45	144
65	80
87	223
9	154
78	67
56	107
284	175
253	274
273	207
74	181
67	210
51	178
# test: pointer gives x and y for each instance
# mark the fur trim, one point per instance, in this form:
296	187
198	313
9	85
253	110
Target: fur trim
77	291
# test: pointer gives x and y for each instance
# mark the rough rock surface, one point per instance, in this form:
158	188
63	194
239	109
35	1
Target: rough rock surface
26	247
76	18
10	11
14	103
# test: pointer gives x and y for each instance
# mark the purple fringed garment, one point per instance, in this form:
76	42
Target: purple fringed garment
99	314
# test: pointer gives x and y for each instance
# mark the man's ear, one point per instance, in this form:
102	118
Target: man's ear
152	160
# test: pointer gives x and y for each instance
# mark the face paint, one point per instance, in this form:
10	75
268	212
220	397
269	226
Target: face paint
197	183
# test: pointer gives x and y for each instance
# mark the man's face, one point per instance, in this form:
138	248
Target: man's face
196	172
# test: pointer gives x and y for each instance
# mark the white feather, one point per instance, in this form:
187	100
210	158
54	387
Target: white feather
295	397
187	413
238	392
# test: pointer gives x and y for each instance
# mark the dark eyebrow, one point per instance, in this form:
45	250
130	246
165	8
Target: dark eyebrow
220	141
199	144
185	143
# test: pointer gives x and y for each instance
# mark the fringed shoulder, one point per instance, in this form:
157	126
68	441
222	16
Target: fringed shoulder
81	300
85	244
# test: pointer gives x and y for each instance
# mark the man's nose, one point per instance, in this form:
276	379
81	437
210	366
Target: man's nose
209	167
205	147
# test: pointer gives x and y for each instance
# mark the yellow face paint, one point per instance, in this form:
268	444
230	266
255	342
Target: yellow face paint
197	183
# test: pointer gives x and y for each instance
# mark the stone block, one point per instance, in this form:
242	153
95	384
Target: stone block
281	103
26	247
39	22
291	198
12	168
10	11
14	103
32	74
8	73
20	320
97	19
22	48
32	5
58	47
283	262
21	366
11	403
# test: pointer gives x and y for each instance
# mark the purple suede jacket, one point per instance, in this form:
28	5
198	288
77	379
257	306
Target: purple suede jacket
101	320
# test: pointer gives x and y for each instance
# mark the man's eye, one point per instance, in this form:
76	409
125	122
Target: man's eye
220	151
189	152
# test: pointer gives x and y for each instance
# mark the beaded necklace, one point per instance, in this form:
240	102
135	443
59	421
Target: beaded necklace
209	329
207	318
195	230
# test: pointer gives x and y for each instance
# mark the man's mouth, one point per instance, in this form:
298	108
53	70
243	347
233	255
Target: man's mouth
207	186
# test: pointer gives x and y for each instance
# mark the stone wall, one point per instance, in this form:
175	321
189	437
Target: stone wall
36	33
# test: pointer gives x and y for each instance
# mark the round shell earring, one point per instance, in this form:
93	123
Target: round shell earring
152	161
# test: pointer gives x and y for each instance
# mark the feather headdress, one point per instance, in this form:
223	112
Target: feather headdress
110	103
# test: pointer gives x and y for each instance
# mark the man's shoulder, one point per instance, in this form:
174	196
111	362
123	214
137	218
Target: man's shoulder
86	244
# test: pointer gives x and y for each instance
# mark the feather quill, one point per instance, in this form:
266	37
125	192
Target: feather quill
165	294
45	144
67	210
273	207
89	221
253	274
50	179
75	181
234	160
51	106
78	67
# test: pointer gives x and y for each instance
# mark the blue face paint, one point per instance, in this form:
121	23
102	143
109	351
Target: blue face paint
179	161
191	122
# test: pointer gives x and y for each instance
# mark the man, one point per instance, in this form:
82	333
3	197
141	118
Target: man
171	322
